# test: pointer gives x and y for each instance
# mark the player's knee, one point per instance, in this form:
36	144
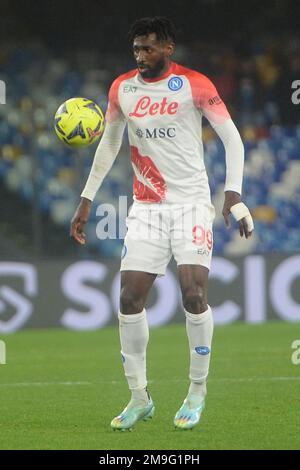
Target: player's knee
195	300
130	303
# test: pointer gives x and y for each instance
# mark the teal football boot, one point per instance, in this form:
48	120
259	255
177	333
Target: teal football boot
131	415
188	415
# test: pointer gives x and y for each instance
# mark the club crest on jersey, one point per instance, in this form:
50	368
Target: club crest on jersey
175	83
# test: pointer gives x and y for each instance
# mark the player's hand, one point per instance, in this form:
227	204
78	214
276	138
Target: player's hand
79	220
234	205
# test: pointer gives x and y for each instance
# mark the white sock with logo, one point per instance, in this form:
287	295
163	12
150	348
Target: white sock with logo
134	336
199	329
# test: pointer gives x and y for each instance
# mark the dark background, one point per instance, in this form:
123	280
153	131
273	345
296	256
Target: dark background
97	23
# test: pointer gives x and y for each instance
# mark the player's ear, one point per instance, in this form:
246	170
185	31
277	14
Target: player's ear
169	48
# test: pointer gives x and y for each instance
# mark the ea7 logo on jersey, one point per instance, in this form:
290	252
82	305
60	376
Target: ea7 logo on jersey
145	107
129	89
175	83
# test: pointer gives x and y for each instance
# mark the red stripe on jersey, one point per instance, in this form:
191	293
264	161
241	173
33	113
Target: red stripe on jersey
205	95
113	109
148	183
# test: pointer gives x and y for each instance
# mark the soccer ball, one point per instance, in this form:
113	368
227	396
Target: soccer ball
79	122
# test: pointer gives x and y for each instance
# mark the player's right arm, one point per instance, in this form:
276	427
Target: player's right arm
104	158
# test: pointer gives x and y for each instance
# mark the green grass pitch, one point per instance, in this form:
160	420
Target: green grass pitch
60	390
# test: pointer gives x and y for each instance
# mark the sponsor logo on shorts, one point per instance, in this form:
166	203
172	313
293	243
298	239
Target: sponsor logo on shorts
202	251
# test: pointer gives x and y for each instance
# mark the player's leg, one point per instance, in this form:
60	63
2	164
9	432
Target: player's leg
199	323
134	331
199	326
146	254
135	287
192	242
134	336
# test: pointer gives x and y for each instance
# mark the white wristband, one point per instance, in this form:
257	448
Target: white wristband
241	211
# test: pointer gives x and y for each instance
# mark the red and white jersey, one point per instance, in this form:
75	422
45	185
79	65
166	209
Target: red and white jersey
164	117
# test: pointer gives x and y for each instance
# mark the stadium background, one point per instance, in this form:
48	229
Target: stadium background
55	378
250	51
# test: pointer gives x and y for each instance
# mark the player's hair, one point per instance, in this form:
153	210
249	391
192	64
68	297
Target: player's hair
160	25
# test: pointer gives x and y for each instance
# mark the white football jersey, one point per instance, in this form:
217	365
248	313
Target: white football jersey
164	117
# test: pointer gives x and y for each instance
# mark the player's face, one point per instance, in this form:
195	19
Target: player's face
152	56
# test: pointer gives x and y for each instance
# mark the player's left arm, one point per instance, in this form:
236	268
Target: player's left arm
216	112
233	204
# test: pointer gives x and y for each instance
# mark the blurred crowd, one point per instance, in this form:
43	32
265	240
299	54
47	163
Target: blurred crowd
254	81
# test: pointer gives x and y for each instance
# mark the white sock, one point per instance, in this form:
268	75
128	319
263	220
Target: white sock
134	336
199	329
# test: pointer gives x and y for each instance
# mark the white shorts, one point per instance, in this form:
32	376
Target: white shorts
155	232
